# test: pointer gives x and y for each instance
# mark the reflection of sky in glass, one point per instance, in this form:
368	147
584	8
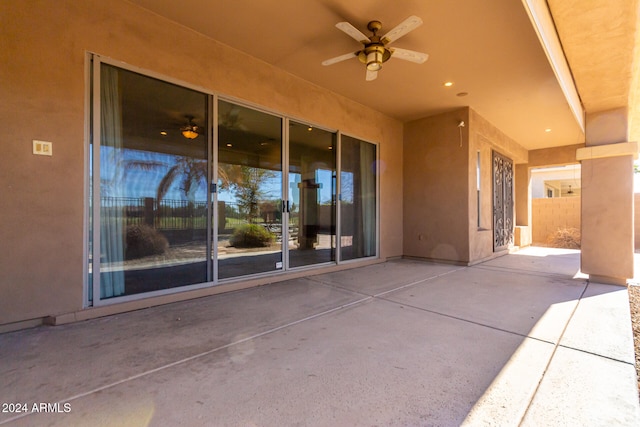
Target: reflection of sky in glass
272	188
137	173
323	177
126	176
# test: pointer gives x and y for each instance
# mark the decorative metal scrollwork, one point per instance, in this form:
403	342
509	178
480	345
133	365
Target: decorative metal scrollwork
503	202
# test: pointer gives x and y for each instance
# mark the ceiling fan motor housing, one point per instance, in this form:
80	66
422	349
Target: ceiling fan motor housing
374	53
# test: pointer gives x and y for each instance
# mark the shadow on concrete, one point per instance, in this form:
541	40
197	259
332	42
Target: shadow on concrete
399	343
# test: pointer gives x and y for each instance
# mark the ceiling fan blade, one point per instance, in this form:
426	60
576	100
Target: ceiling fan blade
371	75
340	58
409	55
352	32
409	24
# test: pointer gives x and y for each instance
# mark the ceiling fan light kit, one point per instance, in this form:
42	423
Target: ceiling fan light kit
375	52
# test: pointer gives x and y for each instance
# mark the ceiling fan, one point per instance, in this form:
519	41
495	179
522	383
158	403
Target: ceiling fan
375	51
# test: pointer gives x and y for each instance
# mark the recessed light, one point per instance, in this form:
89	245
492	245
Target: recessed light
462	94
163	133
309	128
547	130
229	145
448	84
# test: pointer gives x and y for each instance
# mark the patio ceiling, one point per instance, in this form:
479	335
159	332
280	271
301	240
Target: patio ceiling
489	50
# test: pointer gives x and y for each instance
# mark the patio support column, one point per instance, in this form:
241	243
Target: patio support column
523	235
607	198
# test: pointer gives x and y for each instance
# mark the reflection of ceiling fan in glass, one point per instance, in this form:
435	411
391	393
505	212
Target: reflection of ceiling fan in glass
375	51
190	131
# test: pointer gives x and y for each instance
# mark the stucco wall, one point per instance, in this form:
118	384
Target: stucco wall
436	187
440	185
556	156
607	218
607	201
548	215
43	87
486	138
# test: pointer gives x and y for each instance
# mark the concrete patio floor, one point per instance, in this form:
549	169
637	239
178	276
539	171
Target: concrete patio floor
519	340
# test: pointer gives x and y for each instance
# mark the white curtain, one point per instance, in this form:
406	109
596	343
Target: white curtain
112	215
368	198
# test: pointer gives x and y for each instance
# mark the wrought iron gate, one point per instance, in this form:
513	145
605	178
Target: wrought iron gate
502	202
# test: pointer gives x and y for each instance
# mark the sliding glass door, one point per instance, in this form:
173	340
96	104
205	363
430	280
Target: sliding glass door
178	197
311	195
250	202
358	172
149	185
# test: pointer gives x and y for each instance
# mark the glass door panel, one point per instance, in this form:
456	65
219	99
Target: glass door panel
358	236
311	195
153	196
249	191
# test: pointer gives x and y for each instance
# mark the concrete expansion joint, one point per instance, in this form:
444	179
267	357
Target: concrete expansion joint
613	359
528	272
553	354
379	295
198	356
461	319
334	286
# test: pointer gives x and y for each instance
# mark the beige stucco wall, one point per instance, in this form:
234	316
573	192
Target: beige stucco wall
523	237
607	218
440	185
607	202
549	215
43	47
556	156
523	195
436	187
486	138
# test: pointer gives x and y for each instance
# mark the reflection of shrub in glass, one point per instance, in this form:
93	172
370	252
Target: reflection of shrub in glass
143	240
251	236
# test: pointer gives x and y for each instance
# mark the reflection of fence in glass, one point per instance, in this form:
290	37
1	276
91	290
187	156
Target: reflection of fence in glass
180	214
169	215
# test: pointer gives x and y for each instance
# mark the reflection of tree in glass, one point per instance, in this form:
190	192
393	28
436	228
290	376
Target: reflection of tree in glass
248	184
346	184
191	173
